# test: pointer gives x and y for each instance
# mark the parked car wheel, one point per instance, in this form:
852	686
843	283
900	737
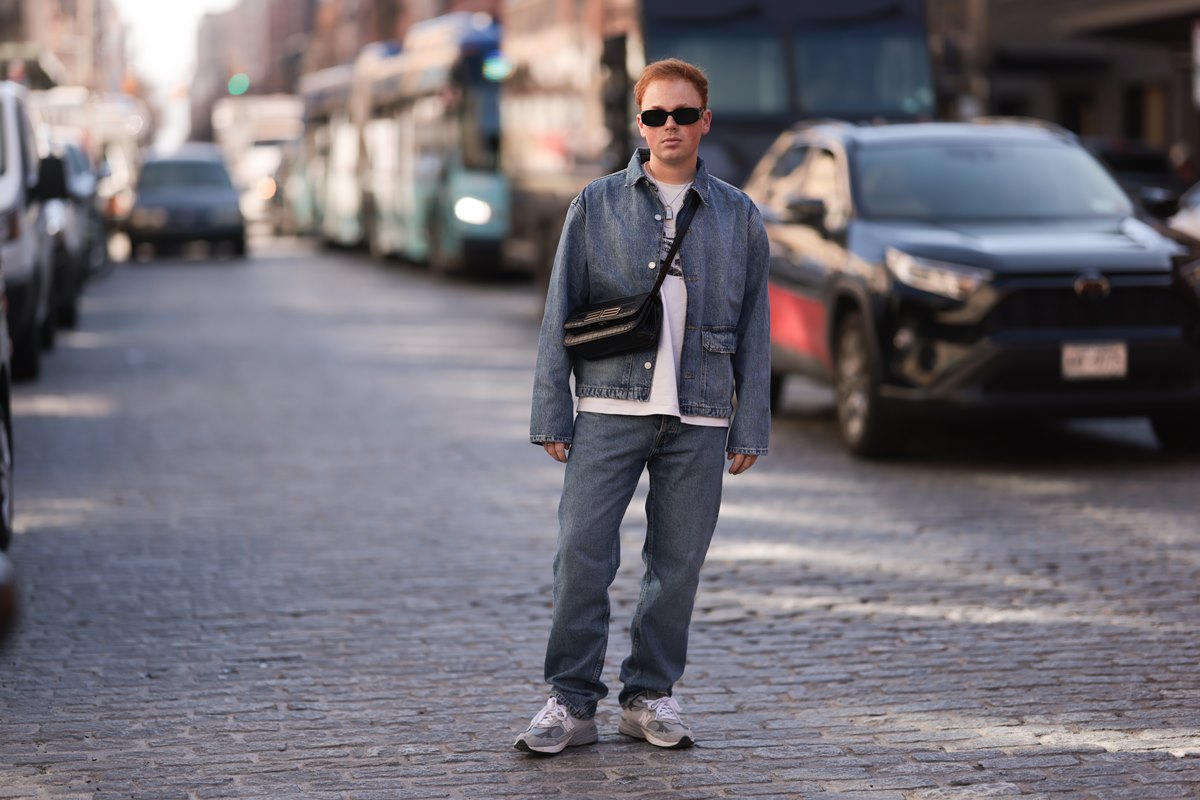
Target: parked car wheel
862	418
49	329
6	477
1176	433
68	314
27	355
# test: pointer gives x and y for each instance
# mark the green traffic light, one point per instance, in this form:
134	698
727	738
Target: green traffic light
239	83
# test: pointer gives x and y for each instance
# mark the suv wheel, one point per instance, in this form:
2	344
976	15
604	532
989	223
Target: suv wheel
862	419
26	361
1176	433
777	379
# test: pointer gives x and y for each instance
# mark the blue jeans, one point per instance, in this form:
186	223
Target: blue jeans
606	460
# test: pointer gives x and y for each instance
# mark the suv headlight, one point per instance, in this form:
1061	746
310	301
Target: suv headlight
956	281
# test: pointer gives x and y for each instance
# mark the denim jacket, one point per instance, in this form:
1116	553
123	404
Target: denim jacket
610	248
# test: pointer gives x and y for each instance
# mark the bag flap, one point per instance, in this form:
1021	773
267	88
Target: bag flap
610	312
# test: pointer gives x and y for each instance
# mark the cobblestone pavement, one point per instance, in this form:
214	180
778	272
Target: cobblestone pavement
280	536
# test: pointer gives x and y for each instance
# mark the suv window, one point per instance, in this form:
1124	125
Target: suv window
992	180
790	161
822	181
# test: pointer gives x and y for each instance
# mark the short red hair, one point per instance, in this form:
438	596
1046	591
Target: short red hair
670	69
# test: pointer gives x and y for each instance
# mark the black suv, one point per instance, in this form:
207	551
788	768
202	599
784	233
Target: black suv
992	265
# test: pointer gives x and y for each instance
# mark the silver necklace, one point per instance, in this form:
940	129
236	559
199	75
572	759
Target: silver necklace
670	214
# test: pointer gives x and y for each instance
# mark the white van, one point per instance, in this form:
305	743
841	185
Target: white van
25	252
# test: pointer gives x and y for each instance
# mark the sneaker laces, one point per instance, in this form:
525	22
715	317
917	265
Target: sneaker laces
665	709
550	715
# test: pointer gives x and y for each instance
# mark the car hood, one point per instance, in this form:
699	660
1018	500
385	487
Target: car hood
1125	244
190	197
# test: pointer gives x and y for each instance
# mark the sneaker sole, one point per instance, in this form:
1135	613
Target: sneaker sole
588	738
636	731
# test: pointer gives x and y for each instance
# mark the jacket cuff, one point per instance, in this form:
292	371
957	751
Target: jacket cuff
547	439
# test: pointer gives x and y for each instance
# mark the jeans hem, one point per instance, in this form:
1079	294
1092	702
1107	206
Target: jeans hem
571	707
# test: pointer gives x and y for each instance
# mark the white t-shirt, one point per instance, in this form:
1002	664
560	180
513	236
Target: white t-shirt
664	389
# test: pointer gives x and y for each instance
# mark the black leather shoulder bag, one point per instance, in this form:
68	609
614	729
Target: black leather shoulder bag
625	324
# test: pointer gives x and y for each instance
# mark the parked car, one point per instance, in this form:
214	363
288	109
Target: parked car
186	196
1144	172
67	183
973	267
25	247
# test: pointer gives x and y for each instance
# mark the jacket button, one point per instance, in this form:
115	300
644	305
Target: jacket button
647	365
650	265
658	217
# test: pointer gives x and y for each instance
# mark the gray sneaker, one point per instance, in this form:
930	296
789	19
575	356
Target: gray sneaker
554	729
655	719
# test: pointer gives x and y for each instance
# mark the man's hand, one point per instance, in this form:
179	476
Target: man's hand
740	462
557	450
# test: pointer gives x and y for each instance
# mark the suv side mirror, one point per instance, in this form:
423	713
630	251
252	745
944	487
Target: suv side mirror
807	211
1158	202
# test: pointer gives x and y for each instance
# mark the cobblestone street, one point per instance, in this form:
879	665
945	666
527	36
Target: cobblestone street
281	535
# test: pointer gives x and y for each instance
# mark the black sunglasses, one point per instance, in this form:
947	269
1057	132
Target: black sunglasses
657	117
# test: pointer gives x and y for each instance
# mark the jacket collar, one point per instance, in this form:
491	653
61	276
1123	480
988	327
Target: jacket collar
636	171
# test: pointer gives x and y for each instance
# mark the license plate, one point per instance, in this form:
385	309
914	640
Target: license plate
1094	361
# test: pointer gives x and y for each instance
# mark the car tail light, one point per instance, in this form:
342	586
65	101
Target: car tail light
265	188
119	205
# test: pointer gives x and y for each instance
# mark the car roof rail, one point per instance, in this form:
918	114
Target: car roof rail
1029	122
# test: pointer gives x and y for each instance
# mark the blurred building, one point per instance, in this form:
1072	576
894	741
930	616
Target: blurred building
24	54
344	27
69	42
274	42
264	40
1111	69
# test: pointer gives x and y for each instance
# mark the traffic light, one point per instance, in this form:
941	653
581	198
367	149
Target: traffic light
239	83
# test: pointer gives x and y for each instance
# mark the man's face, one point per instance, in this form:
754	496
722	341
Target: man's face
673	144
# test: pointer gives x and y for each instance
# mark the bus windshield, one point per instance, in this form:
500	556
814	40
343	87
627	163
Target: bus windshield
752	77
480	115
853	59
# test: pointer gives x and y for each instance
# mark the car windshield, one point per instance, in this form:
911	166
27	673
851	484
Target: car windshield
952	180
171	174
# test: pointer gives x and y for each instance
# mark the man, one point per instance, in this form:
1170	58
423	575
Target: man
668	410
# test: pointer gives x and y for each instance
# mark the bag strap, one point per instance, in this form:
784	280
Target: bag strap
681	226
